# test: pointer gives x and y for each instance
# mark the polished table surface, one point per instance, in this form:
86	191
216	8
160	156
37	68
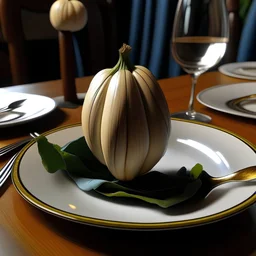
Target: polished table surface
25	230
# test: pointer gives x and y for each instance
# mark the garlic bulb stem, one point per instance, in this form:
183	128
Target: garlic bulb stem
124	60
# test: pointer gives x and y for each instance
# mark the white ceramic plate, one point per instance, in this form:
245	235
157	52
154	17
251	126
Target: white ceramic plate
34	107
244	70
217	97
220	153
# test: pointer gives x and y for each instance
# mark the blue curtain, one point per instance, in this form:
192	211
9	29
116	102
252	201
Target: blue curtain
150	36
247	44
78	58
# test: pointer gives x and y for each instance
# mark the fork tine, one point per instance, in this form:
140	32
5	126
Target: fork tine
6	170
4	150
10	147
34	134
13	145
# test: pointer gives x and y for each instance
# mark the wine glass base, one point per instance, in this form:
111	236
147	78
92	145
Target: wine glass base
195	117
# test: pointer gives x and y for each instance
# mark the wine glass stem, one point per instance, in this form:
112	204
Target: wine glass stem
191	111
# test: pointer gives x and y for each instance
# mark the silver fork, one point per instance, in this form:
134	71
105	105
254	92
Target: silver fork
7	168
7	149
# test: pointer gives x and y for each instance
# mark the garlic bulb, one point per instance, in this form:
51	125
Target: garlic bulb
125	118
68	15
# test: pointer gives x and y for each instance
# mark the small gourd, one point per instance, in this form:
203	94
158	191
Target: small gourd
125	118
68	15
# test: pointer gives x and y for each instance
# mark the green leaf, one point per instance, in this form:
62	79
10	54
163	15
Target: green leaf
162	189
54	158
94	168
154	187
196	171
75	165
50	155
189	191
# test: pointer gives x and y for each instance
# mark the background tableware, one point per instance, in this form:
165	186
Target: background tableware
13	105
189	144
217	97
34	107
246	104
199	41
244	70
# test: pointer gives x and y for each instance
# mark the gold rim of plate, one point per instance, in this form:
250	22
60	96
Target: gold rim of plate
237	104
127	225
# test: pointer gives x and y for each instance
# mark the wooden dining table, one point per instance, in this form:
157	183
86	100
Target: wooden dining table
26	230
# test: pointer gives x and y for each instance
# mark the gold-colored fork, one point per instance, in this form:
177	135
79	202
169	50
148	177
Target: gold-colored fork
209	182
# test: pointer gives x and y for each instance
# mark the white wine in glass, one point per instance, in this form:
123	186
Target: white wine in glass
199	41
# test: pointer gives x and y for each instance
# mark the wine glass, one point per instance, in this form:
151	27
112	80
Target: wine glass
199	41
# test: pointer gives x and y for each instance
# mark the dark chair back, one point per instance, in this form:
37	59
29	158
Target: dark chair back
97	43
12	30
235	25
